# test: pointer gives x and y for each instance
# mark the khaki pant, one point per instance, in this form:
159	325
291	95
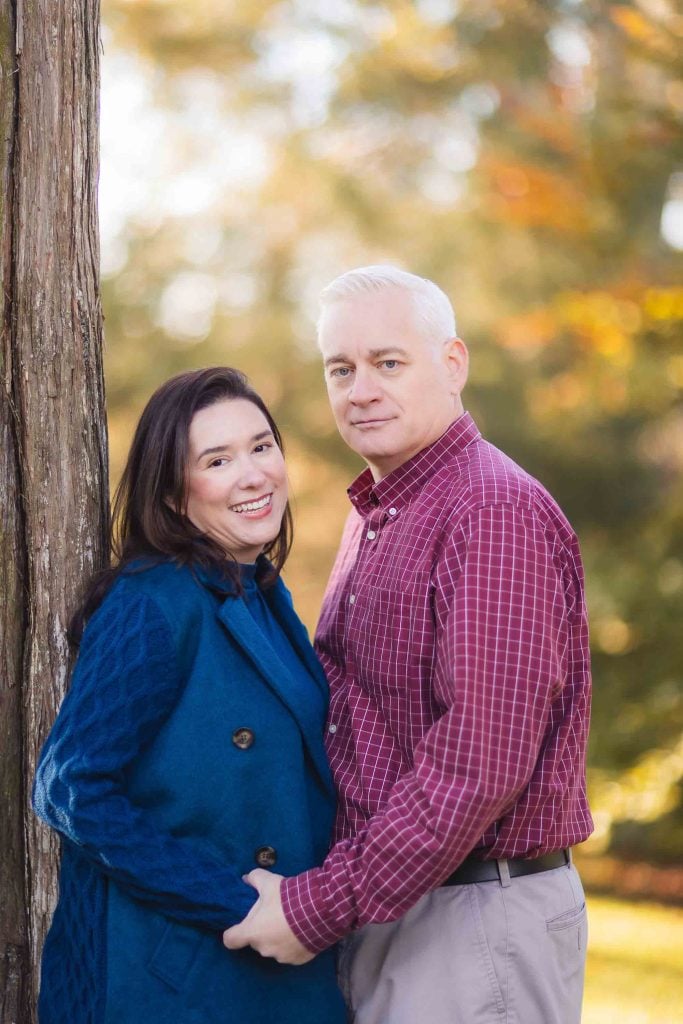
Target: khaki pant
486	953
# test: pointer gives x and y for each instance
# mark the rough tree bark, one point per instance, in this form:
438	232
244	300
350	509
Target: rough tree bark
53	468
13	920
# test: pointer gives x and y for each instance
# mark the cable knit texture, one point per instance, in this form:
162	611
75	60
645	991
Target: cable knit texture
140	843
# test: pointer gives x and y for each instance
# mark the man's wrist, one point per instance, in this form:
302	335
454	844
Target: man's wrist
304	908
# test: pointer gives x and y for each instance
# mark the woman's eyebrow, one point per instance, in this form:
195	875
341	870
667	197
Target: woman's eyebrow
224	447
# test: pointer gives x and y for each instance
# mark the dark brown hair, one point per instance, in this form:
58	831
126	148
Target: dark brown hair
147	512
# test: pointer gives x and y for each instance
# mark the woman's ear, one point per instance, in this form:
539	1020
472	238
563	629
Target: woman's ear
169	503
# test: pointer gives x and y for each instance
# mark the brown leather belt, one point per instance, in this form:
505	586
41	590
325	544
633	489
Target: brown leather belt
473	870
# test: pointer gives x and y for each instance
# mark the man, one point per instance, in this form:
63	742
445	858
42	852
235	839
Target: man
454	637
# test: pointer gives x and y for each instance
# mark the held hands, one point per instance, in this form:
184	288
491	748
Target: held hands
265	927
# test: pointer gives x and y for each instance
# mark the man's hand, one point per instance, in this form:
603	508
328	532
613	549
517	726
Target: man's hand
265	927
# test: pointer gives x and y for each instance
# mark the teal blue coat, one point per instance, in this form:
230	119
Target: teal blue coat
184	749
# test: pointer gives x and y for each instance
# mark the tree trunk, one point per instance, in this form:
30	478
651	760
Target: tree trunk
53	468
13	919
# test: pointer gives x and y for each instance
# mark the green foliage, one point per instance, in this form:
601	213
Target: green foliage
518	153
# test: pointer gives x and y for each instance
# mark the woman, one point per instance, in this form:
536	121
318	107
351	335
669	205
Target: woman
189	748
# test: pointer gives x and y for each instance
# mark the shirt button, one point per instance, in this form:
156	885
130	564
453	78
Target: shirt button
243	738
392	511
265	856
371	535
352	598
332	728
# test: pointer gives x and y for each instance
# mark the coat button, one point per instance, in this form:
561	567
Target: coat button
265	856
243	738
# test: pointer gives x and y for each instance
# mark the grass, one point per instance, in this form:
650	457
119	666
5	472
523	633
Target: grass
635	963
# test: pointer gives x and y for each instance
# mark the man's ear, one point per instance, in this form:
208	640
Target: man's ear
457	360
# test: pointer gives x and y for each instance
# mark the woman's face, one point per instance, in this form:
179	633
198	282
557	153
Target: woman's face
236	479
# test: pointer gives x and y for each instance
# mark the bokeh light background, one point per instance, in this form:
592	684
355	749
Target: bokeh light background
529	158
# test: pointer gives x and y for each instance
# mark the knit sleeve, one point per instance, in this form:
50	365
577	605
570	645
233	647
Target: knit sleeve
125	684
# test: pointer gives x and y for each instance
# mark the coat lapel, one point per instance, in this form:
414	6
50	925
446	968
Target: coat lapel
238	621
279	599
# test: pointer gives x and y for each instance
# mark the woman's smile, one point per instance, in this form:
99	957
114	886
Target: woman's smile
255	509
236	480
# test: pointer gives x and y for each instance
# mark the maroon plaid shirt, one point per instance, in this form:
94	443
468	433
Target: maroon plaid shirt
454	637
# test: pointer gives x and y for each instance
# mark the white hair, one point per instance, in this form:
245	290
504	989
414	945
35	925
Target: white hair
433	309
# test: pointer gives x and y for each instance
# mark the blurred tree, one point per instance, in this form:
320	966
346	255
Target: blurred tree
525	155
53	471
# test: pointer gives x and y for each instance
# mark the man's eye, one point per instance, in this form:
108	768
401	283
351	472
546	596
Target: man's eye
340	371
390	364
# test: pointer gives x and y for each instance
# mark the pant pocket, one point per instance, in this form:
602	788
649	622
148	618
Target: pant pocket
568	936
570	919
572	922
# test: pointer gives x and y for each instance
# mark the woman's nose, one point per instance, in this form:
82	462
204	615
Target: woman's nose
251	474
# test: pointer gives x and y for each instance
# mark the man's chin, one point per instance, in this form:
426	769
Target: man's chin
372	453
369	443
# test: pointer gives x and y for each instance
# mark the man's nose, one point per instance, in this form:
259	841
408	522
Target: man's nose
364	389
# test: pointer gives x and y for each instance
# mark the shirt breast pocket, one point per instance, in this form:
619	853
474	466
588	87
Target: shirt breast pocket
390	633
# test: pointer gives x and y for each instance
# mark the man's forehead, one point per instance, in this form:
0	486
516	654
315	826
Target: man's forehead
376	320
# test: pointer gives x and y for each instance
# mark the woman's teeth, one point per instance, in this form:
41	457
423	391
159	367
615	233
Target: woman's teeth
252	506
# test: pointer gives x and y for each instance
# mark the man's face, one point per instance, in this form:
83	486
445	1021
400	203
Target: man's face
393	392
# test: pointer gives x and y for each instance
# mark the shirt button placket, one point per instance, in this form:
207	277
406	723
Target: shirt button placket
374	524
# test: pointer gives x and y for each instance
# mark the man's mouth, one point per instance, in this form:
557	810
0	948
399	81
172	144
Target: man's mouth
371	423
253	506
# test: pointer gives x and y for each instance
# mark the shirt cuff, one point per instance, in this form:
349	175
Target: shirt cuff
304	909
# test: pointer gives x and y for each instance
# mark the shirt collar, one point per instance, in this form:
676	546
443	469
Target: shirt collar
398	487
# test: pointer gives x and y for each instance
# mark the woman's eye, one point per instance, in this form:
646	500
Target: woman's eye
263	447
218	462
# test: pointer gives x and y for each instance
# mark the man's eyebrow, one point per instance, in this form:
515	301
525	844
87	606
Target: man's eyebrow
374	353
379	353
225	447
